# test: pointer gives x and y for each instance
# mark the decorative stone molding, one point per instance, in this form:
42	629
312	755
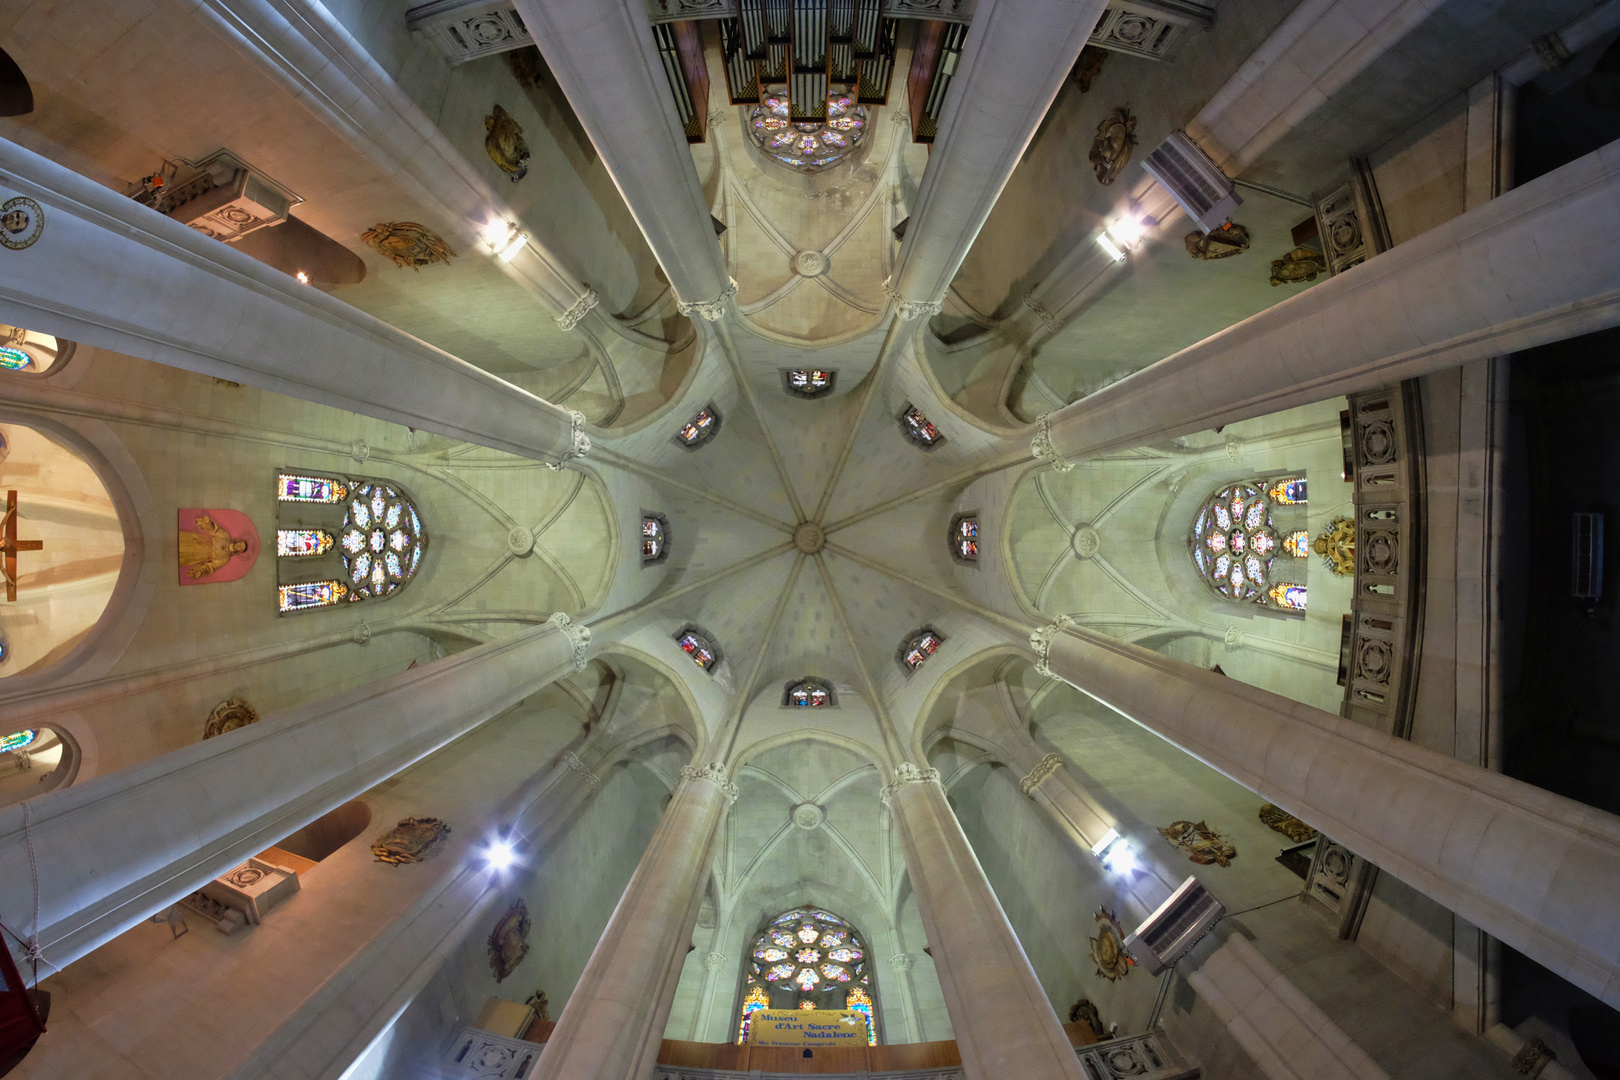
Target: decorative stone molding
580	444
1086	542
810	263
1041	313
226	198
360	450
909	309
1041	445
901	962
807	816
574	764
712	310
714	961
577	311
520	540
578	633
1233	638
659	11
939	10
463	30
361	632
714	773
1041	641
1045	767
1150	1056
1234	449
1151	29
907	773
717	116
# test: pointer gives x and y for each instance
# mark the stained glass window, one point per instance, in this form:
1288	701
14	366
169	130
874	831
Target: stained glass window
1288	492
918	648
654	538
918	429
1298	544
1288	596
1234	541
297	542
965	537
808	958
310	489
697	645
809	694
29	350
381	540
311	594
13	359
809	382
700	429
807	145
18	740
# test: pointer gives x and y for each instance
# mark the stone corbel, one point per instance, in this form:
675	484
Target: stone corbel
1041	445
907	773
1045	767
715	773
909	309
578	634
574	764
580	443
712	310
1041	641
577	311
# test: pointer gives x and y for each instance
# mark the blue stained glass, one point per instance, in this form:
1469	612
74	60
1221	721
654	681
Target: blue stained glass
1222	518
416	522
378	540
353	541
359	514
393	566
379	577
310	594
316	489
14	359
1256	515
362	567
416	557
393	516
17	740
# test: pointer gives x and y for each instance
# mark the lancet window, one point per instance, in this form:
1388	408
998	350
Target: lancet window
654	538
700	429
809	382
965	537
919	647
1234	545
696	644
807	145
343	540
809	693
919	429
808	958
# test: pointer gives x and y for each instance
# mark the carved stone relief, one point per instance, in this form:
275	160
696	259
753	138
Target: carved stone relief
1111	149
1108	947
503	142
407	243
228	715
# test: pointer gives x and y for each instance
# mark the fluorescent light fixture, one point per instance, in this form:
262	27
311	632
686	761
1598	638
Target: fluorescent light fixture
1120	859
1102	845
1109	246
501	855
514	246
1126	232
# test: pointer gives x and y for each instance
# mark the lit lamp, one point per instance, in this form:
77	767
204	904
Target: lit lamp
1114	852
1121	236
505	239
501	855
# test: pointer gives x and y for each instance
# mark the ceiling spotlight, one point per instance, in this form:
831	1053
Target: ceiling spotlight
1127	232
1120	859
504	238
501	855
513	246
303	278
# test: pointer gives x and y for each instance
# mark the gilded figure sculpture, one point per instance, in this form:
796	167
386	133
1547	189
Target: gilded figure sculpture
1337	546
1287	824
206	547
1202	844
410	841
1111	149
1108	947
408	243
509	941
1301	264
504	144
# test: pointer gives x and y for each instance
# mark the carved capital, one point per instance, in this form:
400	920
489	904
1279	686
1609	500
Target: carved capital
1041	445
1041	642
908	308
579	442
1045	767
713	310
901	962
714	961
714	773
907	773
1042	313
571	760
570	318
578	634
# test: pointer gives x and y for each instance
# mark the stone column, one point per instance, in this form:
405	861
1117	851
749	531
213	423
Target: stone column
1537	264
1003	1022
112	851
614	1021
1017	55
1534	869
601	53
115	274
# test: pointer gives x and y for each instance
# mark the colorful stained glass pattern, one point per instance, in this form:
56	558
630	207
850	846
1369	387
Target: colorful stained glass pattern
1298	544
698	647
919	429
807	145
15	359
653	543
814	964
919	649
18	740
1288	596
810	382
965	538
311	594
700	429
294	543
311	489
809	695
380	542
1288	492
1234	542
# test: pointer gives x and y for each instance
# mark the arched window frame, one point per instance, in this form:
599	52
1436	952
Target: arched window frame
694	433
14	339
649	519
703	640
918	429
1247	542
756	986
812	686
915	643
308	503
45	738
964	545
800	382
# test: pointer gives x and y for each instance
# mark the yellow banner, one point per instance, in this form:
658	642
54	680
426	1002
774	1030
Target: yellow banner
807	1027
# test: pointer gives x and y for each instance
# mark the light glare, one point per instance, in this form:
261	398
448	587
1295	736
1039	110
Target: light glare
501	855
1127	231
1108	245
1102	845
1121	860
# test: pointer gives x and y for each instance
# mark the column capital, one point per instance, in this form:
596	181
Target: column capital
714	961
901	962
715	773
907	773
578	309
574	764
578	633
1042	446
907	308
1041	641
1045	767
712	310
579	443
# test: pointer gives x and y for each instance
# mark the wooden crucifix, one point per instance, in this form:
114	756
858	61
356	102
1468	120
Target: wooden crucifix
10	545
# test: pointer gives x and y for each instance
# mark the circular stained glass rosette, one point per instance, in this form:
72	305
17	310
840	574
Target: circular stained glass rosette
808	145
1233	542
382	540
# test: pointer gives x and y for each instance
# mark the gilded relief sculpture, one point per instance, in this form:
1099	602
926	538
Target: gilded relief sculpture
410	841
1220	243
1202	844
1108	947
408	244
1337	546
509	941
214	545
228	715
1301	264
1290	826
504	144
1111	149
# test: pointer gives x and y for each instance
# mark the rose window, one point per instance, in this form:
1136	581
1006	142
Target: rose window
808	145
1234	544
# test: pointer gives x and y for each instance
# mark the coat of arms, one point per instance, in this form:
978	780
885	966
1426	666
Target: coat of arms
408	244
1108	950
504	144
1111	149
509	941
1202	844
410	841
